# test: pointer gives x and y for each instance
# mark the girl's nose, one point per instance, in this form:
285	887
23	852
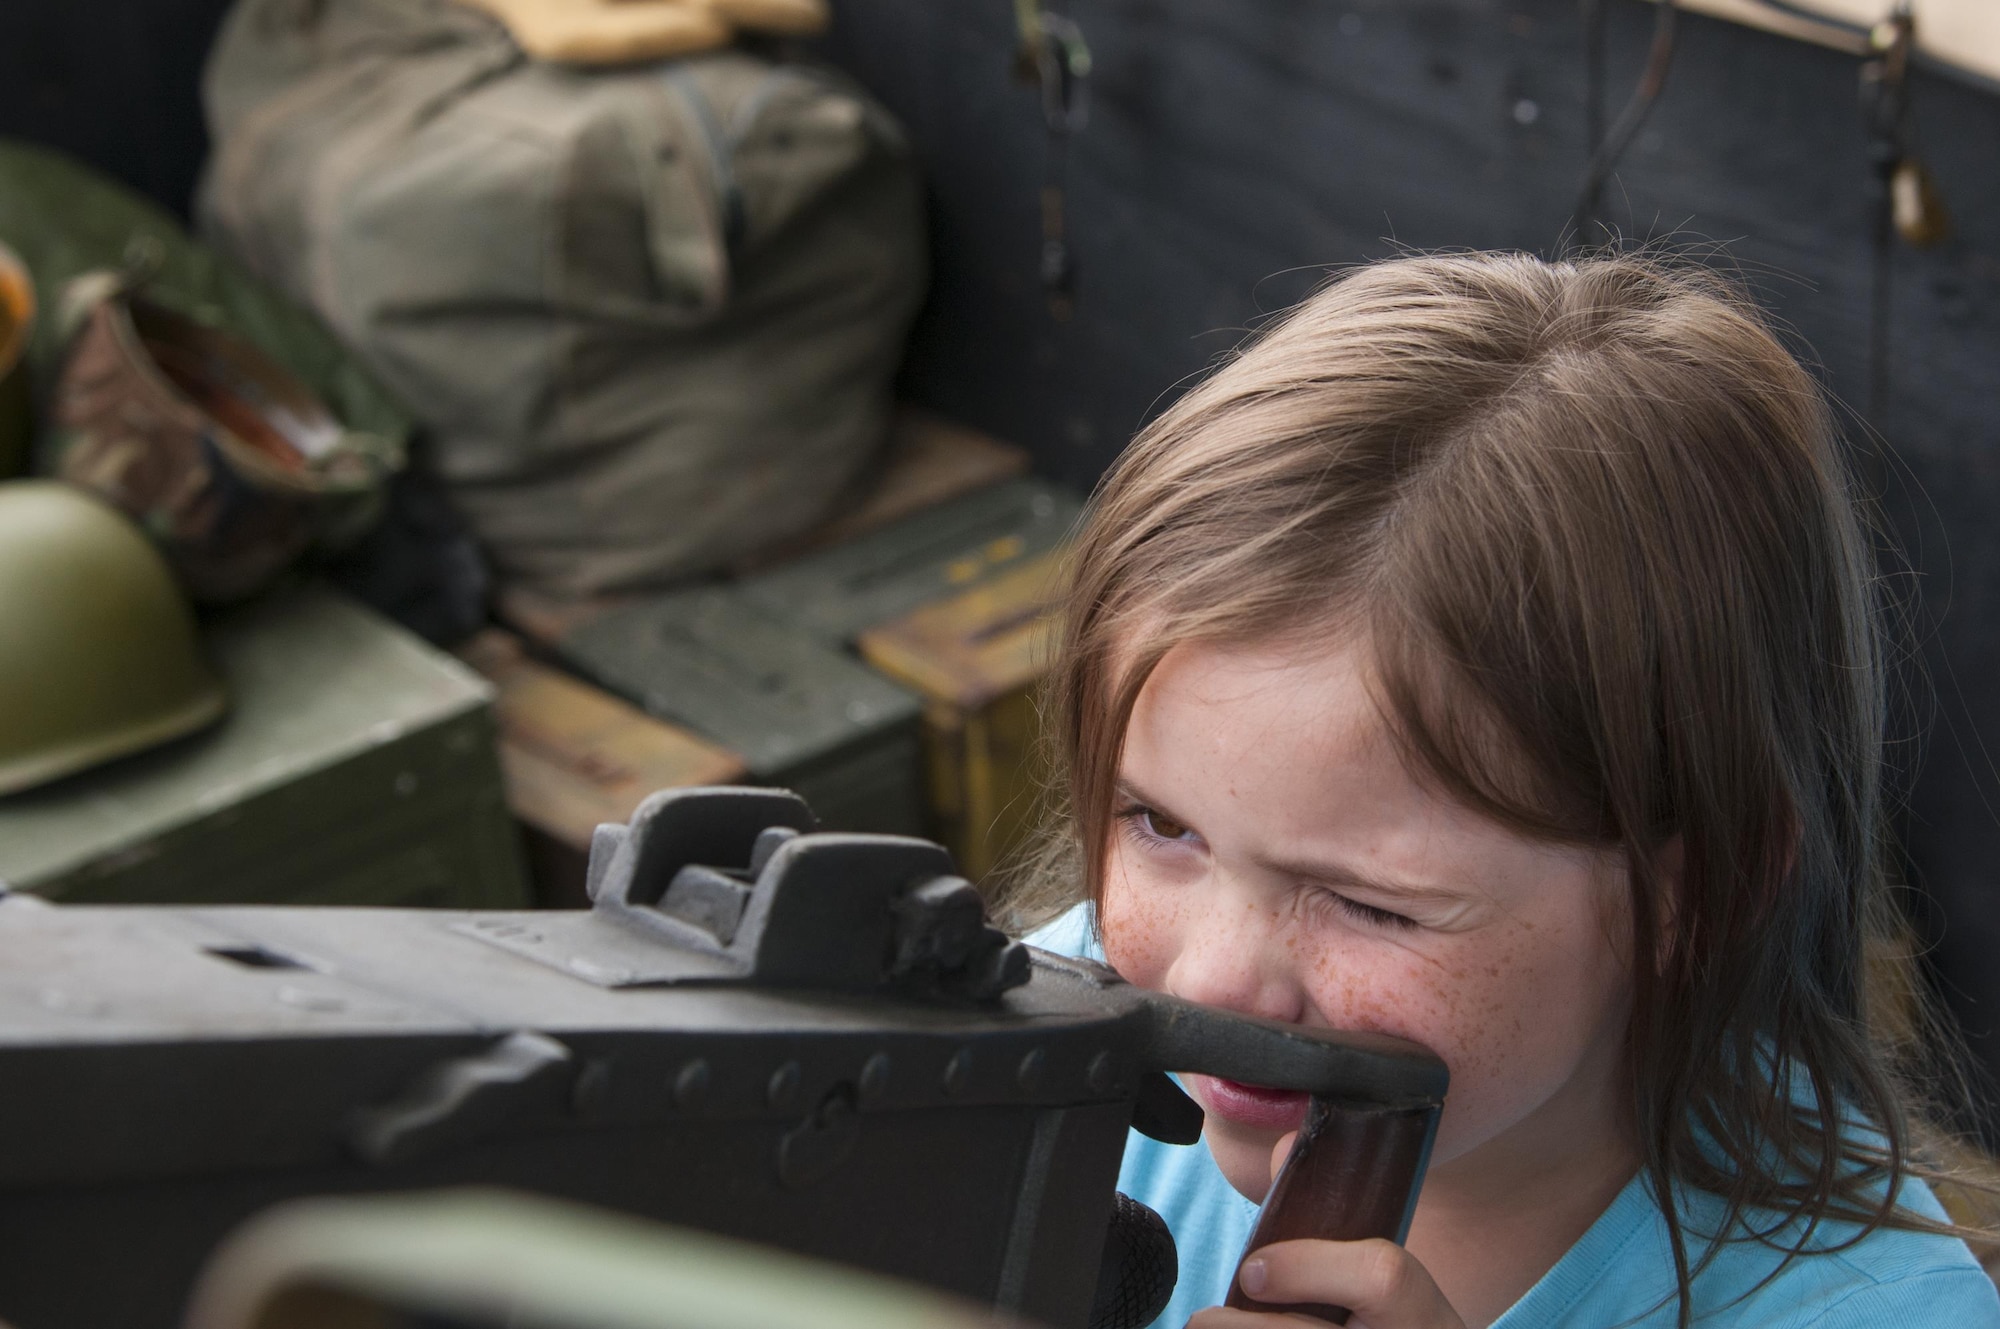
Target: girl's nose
1235	955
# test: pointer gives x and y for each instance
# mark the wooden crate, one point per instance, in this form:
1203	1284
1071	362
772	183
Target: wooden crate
574	756
804	715
356	765
976	659
760	665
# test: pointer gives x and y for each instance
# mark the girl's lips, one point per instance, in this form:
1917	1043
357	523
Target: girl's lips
1250	1105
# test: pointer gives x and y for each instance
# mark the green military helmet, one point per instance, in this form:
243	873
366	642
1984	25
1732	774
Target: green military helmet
98	652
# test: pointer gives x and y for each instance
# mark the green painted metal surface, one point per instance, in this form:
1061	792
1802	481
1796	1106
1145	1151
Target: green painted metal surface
801	713
357	766
839	593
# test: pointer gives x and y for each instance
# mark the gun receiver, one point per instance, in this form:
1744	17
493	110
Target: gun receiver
811	1040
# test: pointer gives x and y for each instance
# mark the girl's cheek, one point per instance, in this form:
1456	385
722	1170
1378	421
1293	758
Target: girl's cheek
1131	944
1139	927
1372	993
1434	1000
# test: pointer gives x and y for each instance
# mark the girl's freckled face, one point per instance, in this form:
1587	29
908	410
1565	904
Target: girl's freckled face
1274	856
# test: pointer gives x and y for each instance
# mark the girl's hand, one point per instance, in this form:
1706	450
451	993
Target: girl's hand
1378	1280
1380	1283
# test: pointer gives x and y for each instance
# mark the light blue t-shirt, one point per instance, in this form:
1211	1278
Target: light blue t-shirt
1620	1272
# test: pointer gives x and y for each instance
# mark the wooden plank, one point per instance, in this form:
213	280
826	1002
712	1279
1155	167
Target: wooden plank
573	755
1752	14
1965	33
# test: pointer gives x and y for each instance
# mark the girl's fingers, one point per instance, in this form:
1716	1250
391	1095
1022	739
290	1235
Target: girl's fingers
1377	1280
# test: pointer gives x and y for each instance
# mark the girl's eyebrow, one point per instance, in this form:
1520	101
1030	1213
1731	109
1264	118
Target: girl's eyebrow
1325	874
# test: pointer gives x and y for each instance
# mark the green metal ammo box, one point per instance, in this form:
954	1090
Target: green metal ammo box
800	712
841	592
356	766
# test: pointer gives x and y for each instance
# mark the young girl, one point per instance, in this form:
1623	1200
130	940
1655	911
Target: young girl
1487	656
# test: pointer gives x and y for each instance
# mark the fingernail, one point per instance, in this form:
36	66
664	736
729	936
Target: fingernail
1252	1276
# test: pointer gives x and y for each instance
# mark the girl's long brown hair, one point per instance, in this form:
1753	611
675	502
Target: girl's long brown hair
1595	522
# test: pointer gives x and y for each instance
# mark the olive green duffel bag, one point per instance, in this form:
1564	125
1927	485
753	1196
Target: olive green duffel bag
649	314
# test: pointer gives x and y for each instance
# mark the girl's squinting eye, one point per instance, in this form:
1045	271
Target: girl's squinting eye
1152	825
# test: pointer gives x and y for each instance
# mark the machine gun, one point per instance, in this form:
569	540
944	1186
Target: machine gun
810	1040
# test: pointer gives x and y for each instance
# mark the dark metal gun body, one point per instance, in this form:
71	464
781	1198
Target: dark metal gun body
809	1040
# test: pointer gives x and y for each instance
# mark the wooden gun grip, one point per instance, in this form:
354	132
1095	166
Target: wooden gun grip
1353	1173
